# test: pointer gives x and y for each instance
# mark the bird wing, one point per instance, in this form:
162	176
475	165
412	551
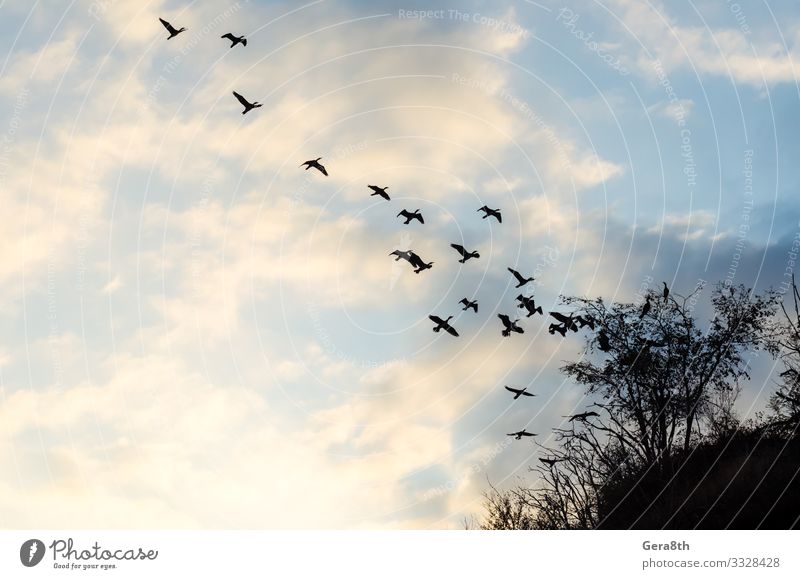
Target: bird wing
560	317
499	217
241	99
170	28
459	248
464	301
421	220
528	394
436	319
515	273
404	213
322	169
228	35
452	331
505	319
514	390
244	42
476	307
415	260
523	433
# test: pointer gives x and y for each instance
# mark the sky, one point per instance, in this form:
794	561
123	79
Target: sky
197	333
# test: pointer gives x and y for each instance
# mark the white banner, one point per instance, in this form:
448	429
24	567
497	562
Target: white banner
355	554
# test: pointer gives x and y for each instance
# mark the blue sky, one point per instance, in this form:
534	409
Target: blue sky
197	333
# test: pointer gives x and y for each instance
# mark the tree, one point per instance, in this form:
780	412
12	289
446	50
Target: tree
661	384
785	402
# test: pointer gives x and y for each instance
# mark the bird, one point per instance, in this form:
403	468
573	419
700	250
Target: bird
530	305
400	254
465	255
316	164
379	191
491	213
469	304
418	264
520	434
567	321
521	281
509	325
602	341
585	321
551	462
443	325
645	308
409	215
173	32
517	392
582	416
561	329
248	106
666	291
235	39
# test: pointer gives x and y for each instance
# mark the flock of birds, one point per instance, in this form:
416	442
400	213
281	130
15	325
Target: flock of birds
564	323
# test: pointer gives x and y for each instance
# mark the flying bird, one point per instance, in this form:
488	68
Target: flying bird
316	165
666	291
584	321
465	255
379	191
517	392
171	29
567	321
248	106
645	308
491	213
551	462
469	304
520	434
418	264
561	329
400	254
409	215
235	39
443	325
521	281
509	326
530	305
582	416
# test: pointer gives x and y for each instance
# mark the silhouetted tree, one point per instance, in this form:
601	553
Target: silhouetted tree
785	402
662	384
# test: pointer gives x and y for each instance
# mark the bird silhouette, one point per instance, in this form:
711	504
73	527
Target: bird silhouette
171	29
379	191
248	106
567	321
530	305
560	328
316	165
666	291
602	341
491	213
521	281
518	392
409	215
400	254
582	416
551	462
520	434
469	304
418	264
645	308
235	39
509	326
443	325
584	321
465	255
